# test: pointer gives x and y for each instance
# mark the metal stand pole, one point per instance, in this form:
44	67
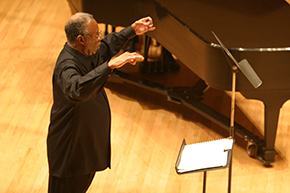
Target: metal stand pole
232	128
204	182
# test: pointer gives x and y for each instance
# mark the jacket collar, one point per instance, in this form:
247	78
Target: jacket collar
86	61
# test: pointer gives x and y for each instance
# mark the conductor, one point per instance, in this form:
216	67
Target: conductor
78	141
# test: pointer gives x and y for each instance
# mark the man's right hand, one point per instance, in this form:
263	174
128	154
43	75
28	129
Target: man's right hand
124	58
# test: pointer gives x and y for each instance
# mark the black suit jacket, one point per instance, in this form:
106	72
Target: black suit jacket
78	140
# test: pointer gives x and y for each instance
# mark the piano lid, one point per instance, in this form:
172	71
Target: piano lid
242	24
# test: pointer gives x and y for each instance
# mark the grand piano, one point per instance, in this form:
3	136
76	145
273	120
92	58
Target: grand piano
258	31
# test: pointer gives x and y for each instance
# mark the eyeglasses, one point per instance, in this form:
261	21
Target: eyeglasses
98	35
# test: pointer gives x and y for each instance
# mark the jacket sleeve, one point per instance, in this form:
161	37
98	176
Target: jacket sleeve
78	88
113	43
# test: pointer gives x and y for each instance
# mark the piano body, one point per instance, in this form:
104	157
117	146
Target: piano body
258	31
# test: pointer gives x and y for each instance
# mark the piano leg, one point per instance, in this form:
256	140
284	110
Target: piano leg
273	101
271	122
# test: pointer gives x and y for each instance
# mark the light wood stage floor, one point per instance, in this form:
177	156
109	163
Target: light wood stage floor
147	130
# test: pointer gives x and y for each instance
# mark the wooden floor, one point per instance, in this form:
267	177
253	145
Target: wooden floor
147	131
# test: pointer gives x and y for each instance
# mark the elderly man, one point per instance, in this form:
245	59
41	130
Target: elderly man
78	142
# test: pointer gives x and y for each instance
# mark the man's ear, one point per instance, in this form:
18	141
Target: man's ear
81	39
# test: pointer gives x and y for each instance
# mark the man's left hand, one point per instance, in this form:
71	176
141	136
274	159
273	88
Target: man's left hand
143	25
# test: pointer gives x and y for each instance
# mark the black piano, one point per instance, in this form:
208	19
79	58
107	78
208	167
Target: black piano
258	31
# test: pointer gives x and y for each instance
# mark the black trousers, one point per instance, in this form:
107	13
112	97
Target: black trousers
73	184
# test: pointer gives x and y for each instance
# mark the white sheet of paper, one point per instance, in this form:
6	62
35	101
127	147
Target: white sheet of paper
205	155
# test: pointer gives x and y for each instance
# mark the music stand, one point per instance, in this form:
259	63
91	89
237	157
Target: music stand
251	75
212	155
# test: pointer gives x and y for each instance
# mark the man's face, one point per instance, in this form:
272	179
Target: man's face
93	38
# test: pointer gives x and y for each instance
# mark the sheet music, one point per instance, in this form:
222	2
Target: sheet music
205	155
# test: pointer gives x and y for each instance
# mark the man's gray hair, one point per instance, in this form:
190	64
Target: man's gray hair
77	25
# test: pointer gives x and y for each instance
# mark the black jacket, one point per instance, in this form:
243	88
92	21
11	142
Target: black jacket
78	140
